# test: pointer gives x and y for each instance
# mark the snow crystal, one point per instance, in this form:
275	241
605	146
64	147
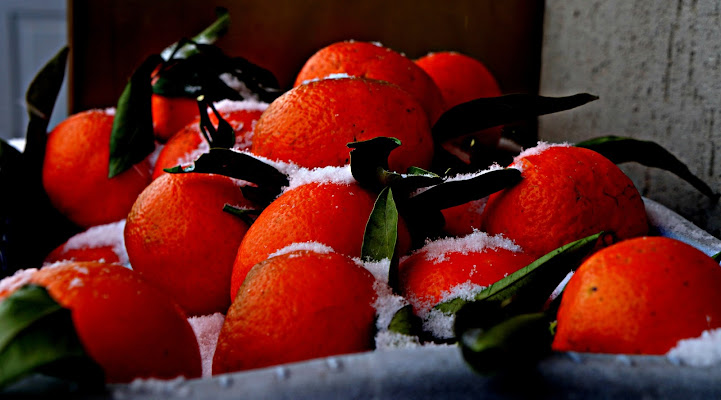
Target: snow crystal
337	75
439	324
315	247
207	329
471	175
702	351
76	282
379	269
387	340
386	304
239	86
17	280
101	236
226	106
538	149
336	175
109	111
475	242
168	388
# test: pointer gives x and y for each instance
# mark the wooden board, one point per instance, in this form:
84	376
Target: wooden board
110	38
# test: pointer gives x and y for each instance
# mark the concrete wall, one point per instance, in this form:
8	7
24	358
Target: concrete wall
656	66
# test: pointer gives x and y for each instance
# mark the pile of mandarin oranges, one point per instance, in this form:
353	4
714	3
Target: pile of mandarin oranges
288	274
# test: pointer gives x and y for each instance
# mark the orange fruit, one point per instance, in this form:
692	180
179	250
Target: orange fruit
374	61
75	171
129	327
463	219
462	78
639	296
432	273
565	194
189	143
297	306
331	213
179	238
459	77
311	124
102	243
171	114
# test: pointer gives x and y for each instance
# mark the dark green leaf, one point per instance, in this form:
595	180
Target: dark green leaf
381	232
622	149
243	213
514	343
369	162
527	289
456	192
484	113
237	165
209	35
405	322
717	257
38	336
40	99
132	137
369	166
208	72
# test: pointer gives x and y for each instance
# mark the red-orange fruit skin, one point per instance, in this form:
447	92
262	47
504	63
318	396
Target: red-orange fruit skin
639	296
566	193
294	307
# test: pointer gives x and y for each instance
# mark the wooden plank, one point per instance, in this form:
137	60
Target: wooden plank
110	38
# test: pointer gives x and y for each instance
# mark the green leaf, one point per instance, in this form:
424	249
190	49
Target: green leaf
623	149
40	99
132	137
456	192
38	336
484	113
237	165
527	289
717	257
519	341
405	322
243	213
209	35
381	232
369	166
244	166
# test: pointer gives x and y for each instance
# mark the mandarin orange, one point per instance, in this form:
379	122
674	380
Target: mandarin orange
374	61
179	238
639	296
462	78
566	193
297	306
435	270
171	114
188	143
311	124
75	171
132	329
331	213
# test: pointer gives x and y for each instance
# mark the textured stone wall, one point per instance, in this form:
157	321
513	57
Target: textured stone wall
656	66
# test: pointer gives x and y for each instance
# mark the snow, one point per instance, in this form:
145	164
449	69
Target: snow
19	279
316	247
226	106
477	241
207	329
334	175
101	236
702	351
538	149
